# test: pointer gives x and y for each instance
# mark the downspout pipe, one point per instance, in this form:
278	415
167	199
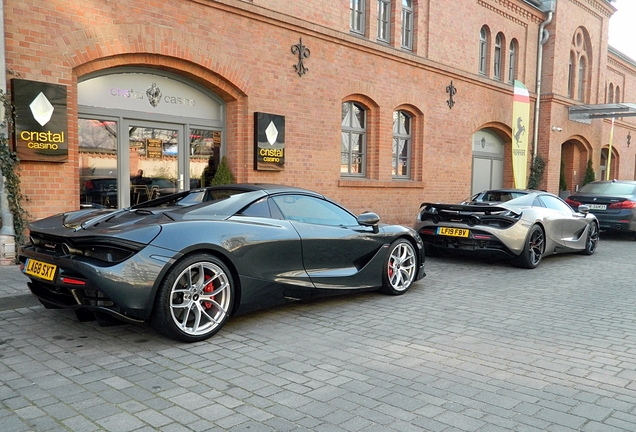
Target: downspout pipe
544	35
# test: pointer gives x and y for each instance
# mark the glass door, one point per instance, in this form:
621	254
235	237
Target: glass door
142	159
98	161
154	154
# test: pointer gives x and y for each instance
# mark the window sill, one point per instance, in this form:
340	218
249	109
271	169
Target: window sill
380	183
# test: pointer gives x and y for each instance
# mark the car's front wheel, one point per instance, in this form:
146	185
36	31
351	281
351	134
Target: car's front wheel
400	268
195	299
533	249
592	239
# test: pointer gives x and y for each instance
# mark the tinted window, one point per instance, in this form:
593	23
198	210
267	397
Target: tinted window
258	209
555	203
608	188
313	210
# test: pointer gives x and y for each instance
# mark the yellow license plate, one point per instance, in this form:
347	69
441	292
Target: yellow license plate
453	232
40	269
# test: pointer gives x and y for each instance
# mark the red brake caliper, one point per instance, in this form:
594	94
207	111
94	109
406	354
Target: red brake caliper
208	289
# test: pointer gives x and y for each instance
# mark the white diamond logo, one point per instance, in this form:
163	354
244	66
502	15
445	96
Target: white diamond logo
42	109
271	133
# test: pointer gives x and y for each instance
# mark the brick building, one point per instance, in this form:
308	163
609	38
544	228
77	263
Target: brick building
380	104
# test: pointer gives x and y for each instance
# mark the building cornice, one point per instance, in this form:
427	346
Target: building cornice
519	13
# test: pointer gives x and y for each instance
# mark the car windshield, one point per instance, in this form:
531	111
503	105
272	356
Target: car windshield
521	200
189	198
609	188
501	196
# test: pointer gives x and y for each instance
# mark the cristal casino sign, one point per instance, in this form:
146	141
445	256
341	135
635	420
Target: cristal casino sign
41	128
269	142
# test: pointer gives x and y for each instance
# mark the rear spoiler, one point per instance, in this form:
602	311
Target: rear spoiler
435	208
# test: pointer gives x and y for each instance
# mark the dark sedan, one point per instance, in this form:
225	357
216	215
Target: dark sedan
613	202
188	261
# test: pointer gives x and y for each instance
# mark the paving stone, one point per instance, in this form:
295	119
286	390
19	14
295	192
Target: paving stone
490	355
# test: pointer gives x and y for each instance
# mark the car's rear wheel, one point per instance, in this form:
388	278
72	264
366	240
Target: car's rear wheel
533	249
195	299
400	268
592	239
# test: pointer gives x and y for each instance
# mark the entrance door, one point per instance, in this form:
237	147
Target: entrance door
155	160
488	165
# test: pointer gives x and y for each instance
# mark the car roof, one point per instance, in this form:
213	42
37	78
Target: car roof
509	190
615	181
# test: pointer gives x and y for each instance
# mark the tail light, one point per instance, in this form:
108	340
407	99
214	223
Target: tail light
623	205
572	203
427	231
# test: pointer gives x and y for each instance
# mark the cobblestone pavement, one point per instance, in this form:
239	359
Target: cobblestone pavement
474	346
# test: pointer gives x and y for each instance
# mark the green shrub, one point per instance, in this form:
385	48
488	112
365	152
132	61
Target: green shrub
589	173
223	174
536	173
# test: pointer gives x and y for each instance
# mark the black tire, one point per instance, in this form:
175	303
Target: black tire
533	249
400	268
591	241
195	299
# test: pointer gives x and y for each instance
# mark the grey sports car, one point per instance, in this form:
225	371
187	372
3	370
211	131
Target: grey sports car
525	228
188	261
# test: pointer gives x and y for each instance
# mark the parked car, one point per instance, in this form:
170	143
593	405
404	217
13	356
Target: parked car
525	228
186	262
98	192
495	196
613	202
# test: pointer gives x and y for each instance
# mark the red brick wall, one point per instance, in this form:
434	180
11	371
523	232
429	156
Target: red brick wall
241	50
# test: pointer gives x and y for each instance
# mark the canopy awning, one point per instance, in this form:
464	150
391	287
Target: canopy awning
584	113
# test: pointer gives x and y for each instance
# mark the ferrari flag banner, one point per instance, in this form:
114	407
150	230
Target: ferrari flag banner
520	119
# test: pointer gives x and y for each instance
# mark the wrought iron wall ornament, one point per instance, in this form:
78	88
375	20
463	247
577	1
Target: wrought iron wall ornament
451	90
629	138
303	52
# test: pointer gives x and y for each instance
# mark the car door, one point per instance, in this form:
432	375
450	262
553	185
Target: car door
335	247
567	226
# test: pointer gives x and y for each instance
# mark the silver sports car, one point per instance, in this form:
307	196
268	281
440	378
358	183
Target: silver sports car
525	228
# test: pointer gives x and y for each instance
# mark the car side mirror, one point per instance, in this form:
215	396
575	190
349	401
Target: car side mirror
584	209
370	219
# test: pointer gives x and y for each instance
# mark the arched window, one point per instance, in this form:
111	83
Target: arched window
610	94
483	49
582	81
512	61
407	24
580	66
617	98
497	63
571	74
401	144
353	147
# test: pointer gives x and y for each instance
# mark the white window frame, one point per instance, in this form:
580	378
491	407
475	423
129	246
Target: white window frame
483	50
357	18
497	59
348	131
407	24
384	21
404	137
512	61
